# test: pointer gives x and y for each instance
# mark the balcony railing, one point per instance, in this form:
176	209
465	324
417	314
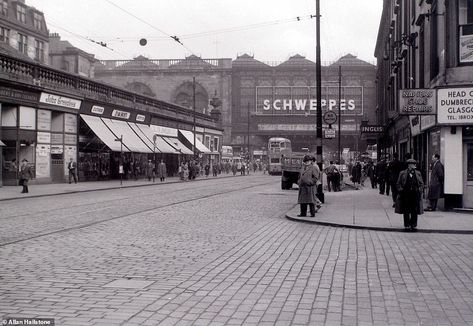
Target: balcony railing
164	64
36	74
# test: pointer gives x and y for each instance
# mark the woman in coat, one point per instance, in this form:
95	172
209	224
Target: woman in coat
409	200
307	182
356	174
25	175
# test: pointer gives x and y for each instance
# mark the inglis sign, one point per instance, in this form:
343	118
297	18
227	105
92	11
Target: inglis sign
299	100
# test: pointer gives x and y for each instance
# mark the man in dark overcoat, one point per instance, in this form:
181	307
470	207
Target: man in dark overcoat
436	183
307	182
381	167
395	168
410	187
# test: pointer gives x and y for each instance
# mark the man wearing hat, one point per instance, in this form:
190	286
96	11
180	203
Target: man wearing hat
25	175
409	201
307	182
436	183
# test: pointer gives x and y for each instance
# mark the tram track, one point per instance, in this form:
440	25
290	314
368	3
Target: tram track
68	206
141	211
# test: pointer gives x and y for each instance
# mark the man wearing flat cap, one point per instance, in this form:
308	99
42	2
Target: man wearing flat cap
409	201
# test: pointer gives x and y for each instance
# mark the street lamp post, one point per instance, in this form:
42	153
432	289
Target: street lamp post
154	154
193	106
318	73
248	134
339	115
120	167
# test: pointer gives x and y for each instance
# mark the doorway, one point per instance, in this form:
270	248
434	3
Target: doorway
468	178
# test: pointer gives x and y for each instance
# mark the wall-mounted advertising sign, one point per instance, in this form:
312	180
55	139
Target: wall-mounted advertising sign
140	118
417	101
466	48
300	100
455	106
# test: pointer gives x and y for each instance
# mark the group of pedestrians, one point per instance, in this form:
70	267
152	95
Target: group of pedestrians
407	187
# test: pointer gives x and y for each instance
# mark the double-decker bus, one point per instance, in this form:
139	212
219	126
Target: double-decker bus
277	146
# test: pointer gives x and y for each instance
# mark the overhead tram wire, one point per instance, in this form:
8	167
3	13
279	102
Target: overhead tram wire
223	30
102	44
173	37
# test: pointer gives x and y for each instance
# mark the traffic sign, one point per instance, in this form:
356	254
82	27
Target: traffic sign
329	133
330	117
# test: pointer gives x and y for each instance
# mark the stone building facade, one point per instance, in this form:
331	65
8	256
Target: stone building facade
425	88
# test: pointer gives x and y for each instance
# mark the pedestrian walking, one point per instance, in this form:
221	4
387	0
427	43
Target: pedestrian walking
395	168
72	167
162	170
25	175
381	175
149	170
356	175
409	200
309	176
436	183
371	172
185	172
333	177
207	170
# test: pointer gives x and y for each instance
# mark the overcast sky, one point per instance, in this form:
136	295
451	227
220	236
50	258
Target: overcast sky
267	29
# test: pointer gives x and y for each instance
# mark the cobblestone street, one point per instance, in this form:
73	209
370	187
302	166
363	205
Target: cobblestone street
220	252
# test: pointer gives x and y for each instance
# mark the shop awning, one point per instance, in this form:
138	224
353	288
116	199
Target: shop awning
189	135
161	144
177	144
143	136
130	139
2	143
101	130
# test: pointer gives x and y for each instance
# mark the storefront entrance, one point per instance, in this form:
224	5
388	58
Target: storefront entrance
468	167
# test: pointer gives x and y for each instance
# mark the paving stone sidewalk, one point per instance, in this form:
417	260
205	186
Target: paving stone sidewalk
367	209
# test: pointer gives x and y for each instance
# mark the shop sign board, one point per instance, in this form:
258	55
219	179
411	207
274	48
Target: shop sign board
371	129
97	109
140	118
15	95
121	114
57	150
455	106
61	101
417	101
426	122
164	131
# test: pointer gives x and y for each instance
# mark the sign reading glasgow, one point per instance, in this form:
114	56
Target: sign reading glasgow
417	101
371	129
